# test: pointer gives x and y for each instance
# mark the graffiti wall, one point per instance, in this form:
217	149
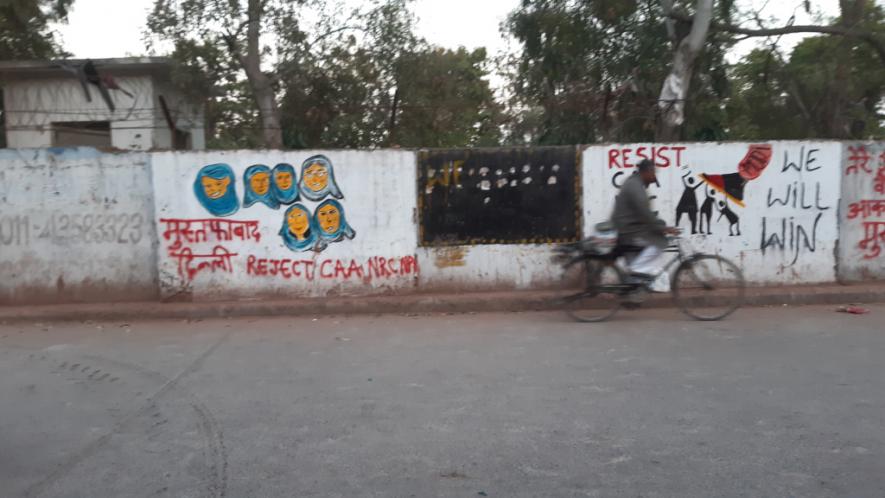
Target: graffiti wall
771	207
76	225
285	223
489	217
862	231
498	196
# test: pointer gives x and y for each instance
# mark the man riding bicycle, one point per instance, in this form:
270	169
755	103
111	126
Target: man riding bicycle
637	224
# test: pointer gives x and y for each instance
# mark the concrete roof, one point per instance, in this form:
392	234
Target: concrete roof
11	70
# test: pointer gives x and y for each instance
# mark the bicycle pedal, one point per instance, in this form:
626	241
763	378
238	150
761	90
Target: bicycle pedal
632	306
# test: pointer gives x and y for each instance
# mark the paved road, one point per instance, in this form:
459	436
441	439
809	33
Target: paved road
773	402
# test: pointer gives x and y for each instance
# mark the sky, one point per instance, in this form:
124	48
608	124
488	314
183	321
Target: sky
448	23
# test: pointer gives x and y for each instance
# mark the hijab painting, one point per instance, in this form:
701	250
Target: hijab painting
332	223
283	185
257	180
215	188
318	179
299	230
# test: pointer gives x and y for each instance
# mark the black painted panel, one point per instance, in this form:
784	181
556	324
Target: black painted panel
498	196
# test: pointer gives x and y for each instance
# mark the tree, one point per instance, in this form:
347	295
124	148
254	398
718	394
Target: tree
686	51
25	34
235	28
25	28
445	100
387	87
776	98
592	70
859	23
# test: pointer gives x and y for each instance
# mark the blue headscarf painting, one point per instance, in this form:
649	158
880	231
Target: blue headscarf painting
332	223
257	180
215	188
283	184
299	229
318	179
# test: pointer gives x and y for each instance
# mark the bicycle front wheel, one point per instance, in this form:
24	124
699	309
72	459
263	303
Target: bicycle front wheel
708	287
592	291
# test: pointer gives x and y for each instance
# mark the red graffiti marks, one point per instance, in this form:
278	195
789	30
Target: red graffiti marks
663	156
208	230
182	234
755	161
874	229
190	264
871	212
858	160
376	267
873	239
879	181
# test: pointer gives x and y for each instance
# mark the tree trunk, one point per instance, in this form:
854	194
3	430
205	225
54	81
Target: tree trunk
836	119
675	89
269	113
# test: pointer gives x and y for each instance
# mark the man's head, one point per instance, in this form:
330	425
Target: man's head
646	170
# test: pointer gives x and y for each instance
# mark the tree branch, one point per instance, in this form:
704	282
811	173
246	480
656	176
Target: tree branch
870	37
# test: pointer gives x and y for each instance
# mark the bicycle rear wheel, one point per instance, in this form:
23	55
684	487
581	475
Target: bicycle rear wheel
592	292
708	287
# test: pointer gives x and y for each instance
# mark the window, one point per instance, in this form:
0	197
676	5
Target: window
81	133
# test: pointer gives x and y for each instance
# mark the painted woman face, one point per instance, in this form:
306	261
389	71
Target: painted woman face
316	177
260	183
283	179
214	188
298	222
329	218
257	180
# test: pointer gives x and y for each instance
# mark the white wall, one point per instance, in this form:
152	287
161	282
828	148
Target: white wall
862	230
379	204
487	267
787	244
76	225
33	105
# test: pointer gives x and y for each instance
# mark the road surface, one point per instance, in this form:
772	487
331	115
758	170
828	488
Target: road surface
772	402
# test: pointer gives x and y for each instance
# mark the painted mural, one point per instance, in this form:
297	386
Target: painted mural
302	230
773	207
283	224
215	189
498	196
256	183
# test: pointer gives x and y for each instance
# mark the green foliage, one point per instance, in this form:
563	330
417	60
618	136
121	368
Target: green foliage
792	98
25	32
592	71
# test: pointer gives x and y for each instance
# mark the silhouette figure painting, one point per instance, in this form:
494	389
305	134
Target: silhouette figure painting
688	203
734	223
707	209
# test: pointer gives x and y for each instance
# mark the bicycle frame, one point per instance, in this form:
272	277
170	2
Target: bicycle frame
674	247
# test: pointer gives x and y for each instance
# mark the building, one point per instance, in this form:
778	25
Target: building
125	103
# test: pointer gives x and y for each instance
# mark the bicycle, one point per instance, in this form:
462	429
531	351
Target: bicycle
706	287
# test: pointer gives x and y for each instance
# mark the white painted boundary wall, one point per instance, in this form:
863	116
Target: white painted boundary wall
786	219
76	225
862	232
243	255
